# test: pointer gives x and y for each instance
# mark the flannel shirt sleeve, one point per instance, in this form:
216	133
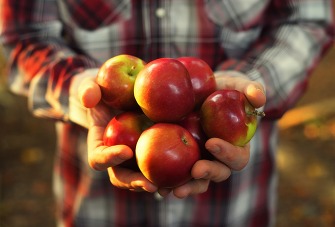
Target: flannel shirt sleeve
295	36
40	63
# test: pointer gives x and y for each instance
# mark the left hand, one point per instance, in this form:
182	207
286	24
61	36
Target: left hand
228	157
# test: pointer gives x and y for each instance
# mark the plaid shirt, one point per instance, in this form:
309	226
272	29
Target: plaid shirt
52	42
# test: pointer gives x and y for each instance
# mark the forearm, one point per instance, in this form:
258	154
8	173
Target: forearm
40	63
43	71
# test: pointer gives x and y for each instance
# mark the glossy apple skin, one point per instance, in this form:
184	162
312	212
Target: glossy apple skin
192	123
163	90
116	78
202	78
125	128
228	115
166	153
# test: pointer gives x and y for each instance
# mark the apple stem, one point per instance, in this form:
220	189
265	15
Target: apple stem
184	140
258	113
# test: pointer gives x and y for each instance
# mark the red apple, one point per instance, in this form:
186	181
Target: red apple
163	89
202	77
125	128
116	78
166	153
192	123
228	115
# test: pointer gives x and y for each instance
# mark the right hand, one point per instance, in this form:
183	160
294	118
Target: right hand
101	157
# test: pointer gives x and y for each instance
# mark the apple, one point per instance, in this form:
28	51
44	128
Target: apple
202	77
192	124
163	90
116	78
166	153
125	128
228	115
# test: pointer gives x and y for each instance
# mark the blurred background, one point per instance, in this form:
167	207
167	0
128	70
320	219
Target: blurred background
306	158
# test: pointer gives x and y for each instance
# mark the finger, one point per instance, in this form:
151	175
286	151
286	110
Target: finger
100	115
89	93
210	170
253	90
128	179
103	157
255	94
234	157
164	191
193	187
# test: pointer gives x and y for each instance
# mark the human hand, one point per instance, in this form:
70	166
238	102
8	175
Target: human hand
227	156
253	90
102	157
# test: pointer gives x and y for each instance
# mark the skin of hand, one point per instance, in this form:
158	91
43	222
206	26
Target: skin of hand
101	157
228	157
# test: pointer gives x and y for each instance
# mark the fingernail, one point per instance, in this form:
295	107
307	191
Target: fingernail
215	149
260	90
203	176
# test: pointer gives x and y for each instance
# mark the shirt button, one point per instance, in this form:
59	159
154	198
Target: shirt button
160	12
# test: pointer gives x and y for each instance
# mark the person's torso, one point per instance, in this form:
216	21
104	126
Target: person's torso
211	30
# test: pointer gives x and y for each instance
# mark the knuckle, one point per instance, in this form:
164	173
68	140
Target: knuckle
96	163
220	173
230	157
92	163
204	186
239	166
113	179
223	175
241	163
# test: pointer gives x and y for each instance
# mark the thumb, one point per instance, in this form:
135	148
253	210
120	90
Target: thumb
89	93
255	94
253	90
